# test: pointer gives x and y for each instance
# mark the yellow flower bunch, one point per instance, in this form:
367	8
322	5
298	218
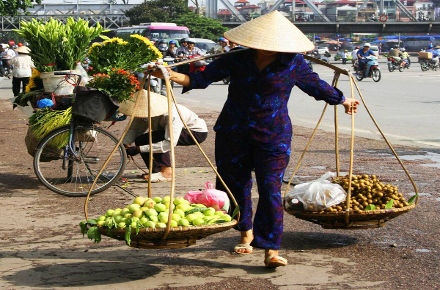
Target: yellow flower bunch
148	43
120	54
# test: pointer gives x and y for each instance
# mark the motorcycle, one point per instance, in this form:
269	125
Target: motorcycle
373	72
427	64
397	63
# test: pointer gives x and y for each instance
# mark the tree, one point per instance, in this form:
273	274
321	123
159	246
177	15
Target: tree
200	26
14	7
157	11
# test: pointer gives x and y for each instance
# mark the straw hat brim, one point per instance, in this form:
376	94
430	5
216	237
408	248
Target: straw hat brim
270	32
23	49
158	104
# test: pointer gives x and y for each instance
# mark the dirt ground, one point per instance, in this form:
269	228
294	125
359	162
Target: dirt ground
41	245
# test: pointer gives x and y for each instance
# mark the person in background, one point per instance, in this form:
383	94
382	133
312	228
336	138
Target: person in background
254	130
7	54
182	51
354	54
161	141
405	57
223	42
172	49
435	54
193	49
22	66
162	46
362	56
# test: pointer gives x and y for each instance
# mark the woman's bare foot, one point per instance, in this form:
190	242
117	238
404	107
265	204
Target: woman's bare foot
244	246
272	259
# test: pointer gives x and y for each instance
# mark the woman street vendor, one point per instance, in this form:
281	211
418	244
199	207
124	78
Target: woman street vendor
254	131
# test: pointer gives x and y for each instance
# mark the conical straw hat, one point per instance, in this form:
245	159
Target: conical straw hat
271	32
158	103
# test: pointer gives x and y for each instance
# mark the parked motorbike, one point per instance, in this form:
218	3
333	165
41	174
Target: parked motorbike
427	64
373	72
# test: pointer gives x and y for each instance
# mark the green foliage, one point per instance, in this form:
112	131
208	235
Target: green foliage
200	26
14	7
58	46
157	11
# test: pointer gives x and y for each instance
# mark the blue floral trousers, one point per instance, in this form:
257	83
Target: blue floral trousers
236	157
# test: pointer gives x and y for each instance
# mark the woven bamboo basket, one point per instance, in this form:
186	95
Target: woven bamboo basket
348	219
169	237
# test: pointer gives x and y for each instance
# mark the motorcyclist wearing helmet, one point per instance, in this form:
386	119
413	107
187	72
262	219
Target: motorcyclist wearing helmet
162	46
172	49
182	51
362	56
435	54
193	49
404	56
223	42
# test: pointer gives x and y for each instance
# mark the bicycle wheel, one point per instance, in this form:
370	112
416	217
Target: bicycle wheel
63	172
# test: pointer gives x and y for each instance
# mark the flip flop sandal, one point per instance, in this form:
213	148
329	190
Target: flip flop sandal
246	246
274	261
158	177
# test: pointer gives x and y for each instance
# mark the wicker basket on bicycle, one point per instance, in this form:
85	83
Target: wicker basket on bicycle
169	237
346	217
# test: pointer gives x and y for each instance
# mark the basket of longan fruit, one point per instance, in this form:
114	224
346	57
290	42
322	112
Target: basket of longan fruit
370	204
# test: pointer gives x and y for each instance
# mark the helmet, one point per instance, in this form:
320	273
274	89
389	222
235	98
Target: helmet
172	42
366	44
357	47
154	39
162	41
190	41
20	44
430	45
402	49
222	39
11	42
183	40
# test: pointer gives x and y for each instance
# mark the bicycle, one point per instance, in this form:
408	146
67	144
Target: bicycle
68	159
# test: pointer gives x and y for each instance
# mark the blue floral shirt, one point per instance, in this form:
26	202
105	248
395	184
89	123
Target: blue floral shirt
257	100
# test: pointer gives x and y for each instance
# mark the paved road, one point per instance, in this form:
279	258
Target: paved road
405	104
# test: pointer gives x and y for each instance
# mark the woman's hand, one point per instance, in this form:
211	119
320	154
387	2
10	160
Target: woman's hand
350	105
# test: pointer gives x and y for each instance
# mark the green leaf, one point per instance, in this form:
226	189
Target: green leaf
413	198
94	234
370	207
236	211
138	226
83	227
128	235
389	204
91	221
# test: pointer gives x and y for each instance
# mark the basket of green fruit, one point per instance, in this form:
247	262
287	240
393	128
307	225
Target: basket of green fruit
369	202
155	223
143	223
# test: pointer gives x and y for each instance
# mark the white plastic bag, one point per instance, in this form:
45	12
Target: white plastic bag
318	194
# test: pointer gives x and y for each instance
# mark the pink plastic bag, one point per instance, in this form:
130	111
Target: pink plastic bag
210	197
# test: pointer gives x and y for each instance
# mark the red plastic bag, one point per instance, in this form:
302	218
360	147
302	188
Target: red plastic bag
210	197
